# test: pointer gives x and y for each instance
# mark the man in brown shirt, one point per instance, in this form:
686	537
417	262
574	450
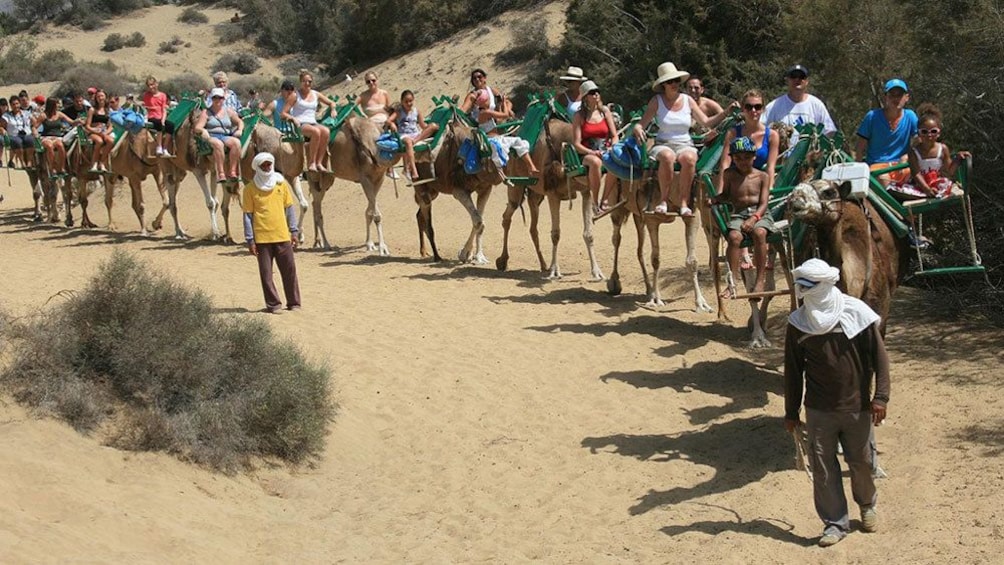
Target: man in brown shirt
832	350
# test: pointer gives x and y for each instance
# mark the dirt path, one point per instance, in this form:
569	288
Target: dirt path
496	417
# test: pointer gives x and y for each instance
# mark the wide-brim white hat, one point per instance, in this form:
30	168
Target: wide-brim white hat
668	71
588	87
573	73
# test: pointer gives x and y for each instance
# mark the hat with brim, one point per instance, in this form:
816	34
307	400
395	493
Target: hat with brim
588	87
896	83
666	72
573	73
797	69
217	93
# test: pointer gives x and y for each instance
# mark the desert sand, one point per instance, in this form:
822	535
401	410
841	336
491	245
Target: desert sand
498	417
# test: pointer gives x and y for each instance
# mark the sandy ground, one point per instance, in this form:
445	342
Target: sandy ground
496	417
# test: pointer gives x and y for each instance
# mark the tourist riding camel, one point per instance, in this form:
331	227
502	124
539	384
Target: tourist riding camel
409	123
99	131
221	127
301	107
797	107
593	133
886	134
55	136
571	97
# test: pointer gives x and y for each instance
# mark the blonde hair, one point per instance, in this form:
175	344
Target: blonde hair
371	75
752	93
151	78
220	75
305	73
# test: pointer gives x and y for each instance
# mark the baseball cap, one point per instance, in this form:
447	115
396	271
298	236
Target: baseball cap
797	69
91	90
742	145
896	83
217	92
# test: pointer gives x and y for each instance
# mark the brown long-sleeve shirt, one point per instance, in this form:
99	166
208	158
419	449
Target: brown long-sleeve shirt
835	372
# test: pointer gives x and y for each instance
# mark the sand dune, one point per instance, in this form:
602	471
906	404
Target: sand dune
497	417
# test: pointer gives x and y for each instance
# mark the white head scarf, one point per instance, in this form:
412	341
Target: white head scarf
265	180
824	306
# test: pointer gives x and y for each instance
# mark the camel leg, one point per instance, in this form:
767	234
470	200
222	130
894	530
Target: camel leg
173	184
158	222
83	193
639	226
614	283
109	198
654	295
424	218
691	226
320	238
477	224
207	182
302	200
37	196
587	236
373	216
136	187
534	201
515	197
479	248
68	201
554	206
225	208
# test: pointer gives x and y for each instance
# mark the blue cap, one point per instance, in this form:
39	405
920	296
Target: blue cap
896	83
742	145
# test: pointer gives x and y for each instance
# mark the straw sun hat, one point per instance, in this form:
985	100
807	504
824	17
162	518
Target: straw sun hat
668	71
573	73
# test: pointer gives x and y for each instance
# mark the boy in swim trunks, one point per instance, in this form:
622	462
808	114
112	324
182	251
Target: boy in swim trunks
746	190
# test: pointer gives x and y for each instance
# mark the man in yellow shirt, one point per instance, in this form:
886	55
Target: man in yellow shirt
270	231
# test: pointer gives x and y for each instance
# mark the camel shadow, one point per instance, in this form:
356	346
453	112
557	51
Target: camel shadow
369	260
746	385
612	306
449	270
684	335
990	437
758	527
234	310
742	451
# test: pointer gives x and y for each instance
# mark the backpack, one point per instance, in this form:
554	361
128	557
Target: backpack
624	159
388	146
469	155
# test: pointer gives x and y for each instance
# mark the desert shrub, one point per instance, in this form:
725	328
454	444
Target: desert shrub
185	82
192	15
135	40
240	63
51	65
16	59
114	42
227	33
266	87
291	65
91	21
171	46
147	360
529	42
85	74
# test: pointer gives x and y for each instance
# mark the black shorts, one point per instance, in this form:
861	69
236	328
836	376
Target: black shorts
159	125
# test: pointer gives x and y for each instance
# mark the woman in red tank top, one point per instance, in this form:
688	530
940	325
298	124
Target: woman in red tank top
593	133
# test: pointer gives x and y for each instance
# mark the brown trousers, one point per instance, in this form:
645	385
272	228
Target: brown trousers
282	254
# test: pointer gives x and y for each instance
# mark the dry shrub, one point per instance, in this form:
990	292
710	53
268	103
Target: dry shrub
240	63
184	83
102	75
192	15
147	360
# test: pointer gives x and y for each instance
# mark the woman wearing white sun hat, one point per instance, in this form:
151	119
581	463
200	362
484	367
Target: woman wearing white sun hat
675	112
571	98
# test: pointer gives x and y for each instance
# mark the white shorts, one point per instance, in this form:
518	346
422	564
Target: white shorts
677	147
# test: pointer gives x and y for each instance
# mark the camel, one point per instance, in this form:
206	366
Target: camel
641	195
851	236
451	178
187	160
353	157
130	160
79	166
290	161
554	186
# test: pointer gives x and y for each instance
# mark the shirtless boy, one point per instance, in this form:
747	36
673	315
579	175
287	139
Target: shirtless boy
746	190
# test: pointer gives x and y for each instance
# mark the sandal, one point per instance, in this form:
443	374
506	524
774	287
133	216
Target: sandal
661	208
686	212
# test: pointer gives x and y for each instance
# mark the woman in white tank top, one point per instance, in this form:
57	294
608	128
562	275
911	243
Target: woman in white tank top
301	108
674	112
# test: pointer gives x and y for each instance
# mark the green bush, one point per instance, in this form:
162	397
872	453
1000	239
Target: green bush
240	63
185	82
171	46
114	42
227	33
148	361
135	40
85	74
51	65
192	15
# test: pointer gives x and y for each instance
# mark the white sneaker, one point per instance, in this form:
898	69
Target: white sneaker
392	174
160	151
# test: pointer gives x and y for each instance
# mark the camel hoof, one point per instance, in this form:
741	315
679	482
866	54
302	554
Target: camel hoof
37	218
655	303
384	251
703	308
596	276
68	223
614	286
501	263
370	246
463	255
480	259
760	343
181	236
156	225
553	275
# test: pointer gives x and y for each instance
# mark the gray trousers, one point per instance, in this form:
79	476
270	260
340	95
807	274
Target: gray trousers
852	430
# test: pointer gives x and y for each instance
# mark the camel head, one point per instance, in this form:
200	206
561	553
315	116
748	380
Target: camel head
816	202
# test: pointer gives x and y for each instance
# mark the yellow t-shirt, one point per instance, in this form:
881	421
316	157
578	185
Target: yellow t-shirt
268	211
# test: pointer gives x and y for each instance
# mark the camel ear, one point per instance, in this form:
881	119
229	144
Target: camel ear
844	190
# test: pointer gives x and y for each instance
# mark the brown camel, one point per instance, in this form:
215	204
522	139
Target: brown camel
554	186
641	195
451	178
290	161
79	165
130	160
853	237
353	157
187	160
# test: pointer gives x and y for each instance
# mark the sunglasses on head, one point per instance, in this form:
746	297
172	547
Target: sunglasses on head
753	107
931	131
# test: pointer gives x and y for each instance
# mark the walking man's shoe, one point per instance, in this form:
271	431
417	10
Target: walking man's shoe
829	539
869	519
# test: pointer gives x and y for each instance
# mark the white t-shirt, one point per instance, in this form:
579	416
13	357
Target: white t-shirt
21	122
809	111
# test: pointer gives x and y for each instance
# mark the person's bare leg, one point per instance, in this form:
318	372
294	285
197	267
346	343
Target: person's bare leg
733	252
667	161
760	258
688	163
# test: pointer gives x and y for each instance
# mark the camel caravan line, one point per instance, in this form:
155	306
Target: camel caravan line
820	202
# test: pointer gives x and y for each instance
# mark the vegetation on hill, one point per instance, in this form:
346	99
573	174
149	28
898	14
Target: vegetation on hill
146	362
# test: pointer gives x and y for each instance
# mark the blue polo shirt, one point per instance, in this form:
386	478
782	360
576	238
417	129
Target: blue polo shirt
886	145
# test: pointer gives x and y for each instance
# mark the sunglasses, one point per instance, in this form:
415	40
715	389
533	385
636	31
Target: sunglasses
591	92
479	76
371	81
798	76
932	131
753	107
